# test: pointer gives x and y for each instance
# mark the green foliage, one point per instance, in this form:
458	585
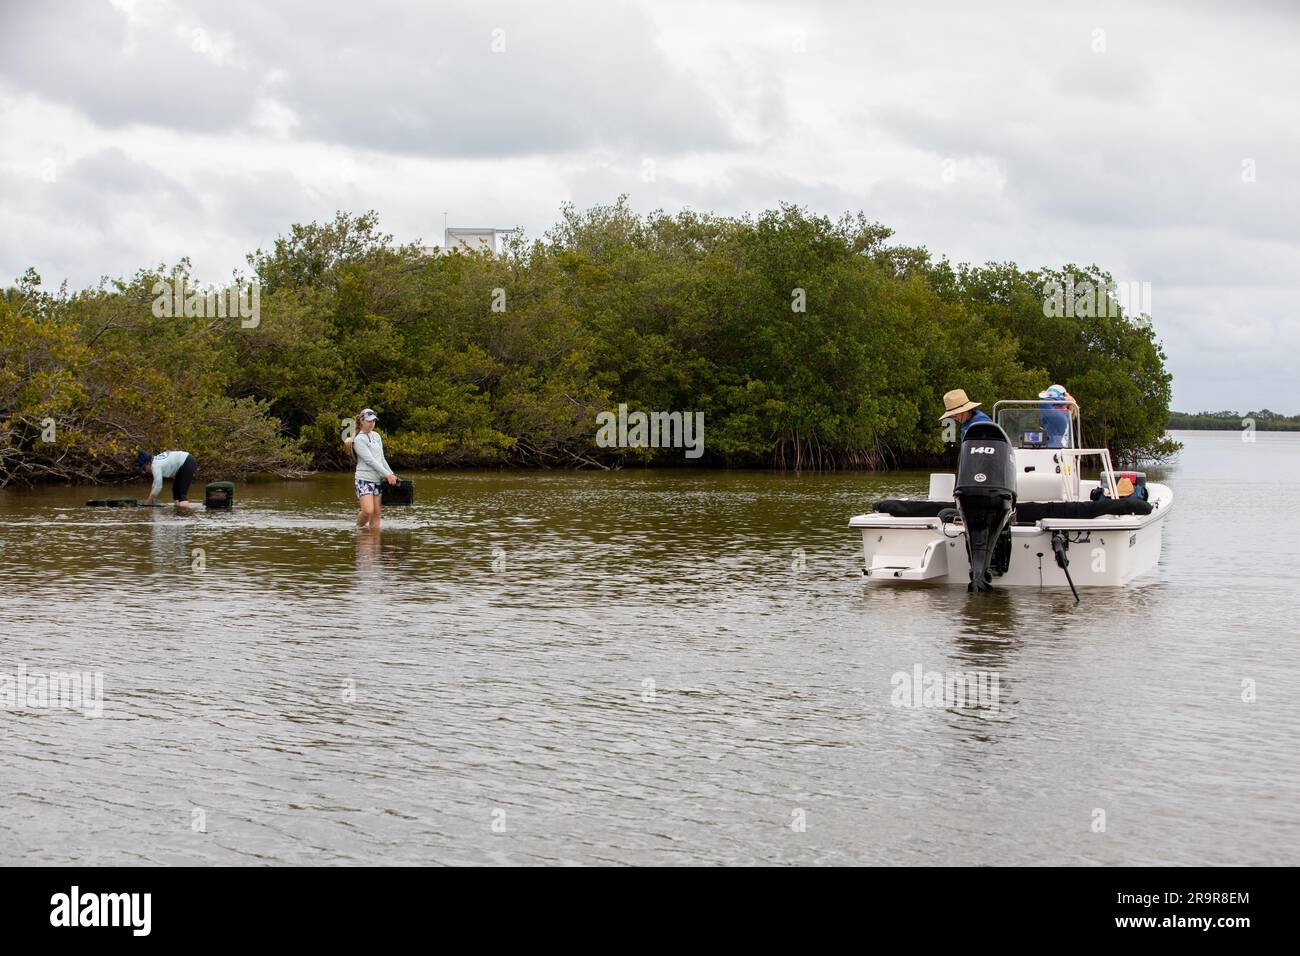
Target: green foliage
1263	420
806	342
1110	362
98	374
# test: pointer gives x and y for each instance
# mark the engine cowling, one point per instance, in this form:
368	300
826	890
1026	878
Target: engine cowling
985	493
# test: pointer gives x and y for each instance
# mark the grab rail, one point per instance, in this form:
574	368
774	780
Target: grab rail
1107	469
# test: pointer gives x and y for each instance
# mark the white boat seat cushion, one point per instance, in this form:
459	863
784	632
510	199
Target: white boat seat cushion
1038	486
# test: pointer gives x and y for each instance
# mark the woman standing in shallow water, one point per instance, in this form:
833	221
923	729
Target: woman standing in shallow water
372	469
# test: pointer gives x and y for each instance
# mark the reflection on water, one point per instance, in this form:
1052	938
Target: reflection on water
169	545
640	667
383	557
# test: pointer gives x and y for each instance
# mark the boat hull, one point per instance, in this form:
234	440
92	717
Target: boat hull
1108	551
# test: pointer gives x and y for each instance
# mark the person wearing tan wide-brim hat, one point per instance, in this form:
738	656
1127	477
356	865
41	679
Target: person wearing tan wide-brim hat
958	406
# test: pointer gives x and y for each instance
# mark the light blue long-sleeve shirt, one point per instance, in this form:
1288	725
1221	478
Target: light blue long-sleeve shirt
1056	422
371	463
165	465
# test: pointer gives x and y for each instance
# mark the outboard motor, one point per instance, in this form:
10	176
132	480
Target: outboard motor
985	493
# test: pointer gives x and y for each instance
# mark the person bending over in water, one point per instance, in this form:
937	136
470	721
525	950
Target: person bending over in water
179	466
372	468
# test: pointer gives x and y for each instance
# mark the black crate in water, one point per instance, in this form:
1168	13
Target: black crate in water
219	494
402	493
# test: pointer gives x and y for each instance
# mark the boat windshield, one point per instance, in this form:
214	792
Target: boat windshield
1038	424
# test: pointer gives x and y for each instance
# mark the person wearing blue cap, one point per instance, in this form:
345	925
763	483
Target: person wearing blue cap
1055	416
179	466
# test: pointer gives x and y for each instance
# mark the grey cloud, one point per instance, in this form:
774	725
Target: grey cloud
1111	78
96	189
262	205
427	80
412	78
90	56
81	225
1128	170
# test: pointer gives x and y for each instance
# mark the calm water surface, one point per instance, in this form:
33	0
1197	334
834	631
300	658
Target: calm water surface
636	667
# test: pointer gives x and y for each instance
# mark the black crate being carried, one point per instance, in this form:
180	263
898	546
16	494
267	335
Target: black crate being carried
402	493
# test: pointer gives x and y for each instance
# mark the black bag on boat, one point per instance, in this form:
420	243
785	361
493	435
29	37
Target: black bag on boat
1031	512
909	508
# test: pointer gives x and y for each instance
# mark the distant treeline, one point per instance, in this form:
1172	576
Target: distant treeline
1264	421
807	343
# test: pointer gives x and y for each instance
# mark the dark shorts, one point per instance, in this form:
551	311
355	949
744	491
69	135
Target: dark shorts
368	487
181	483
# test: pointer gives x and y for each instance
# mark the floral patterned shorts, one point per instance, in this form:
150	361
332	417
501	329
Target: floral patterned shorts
368	488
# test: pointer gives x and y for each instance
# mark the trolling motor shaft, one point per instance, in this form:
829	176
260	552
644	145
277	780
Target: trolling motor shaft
1061	545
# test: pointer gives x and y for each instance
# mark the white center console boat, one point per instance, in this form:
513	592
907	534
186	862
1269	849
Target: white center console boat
1018	511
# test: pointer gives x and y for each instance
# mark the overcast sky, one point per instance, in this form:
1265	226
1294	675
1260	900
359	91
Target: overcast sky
1159	143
